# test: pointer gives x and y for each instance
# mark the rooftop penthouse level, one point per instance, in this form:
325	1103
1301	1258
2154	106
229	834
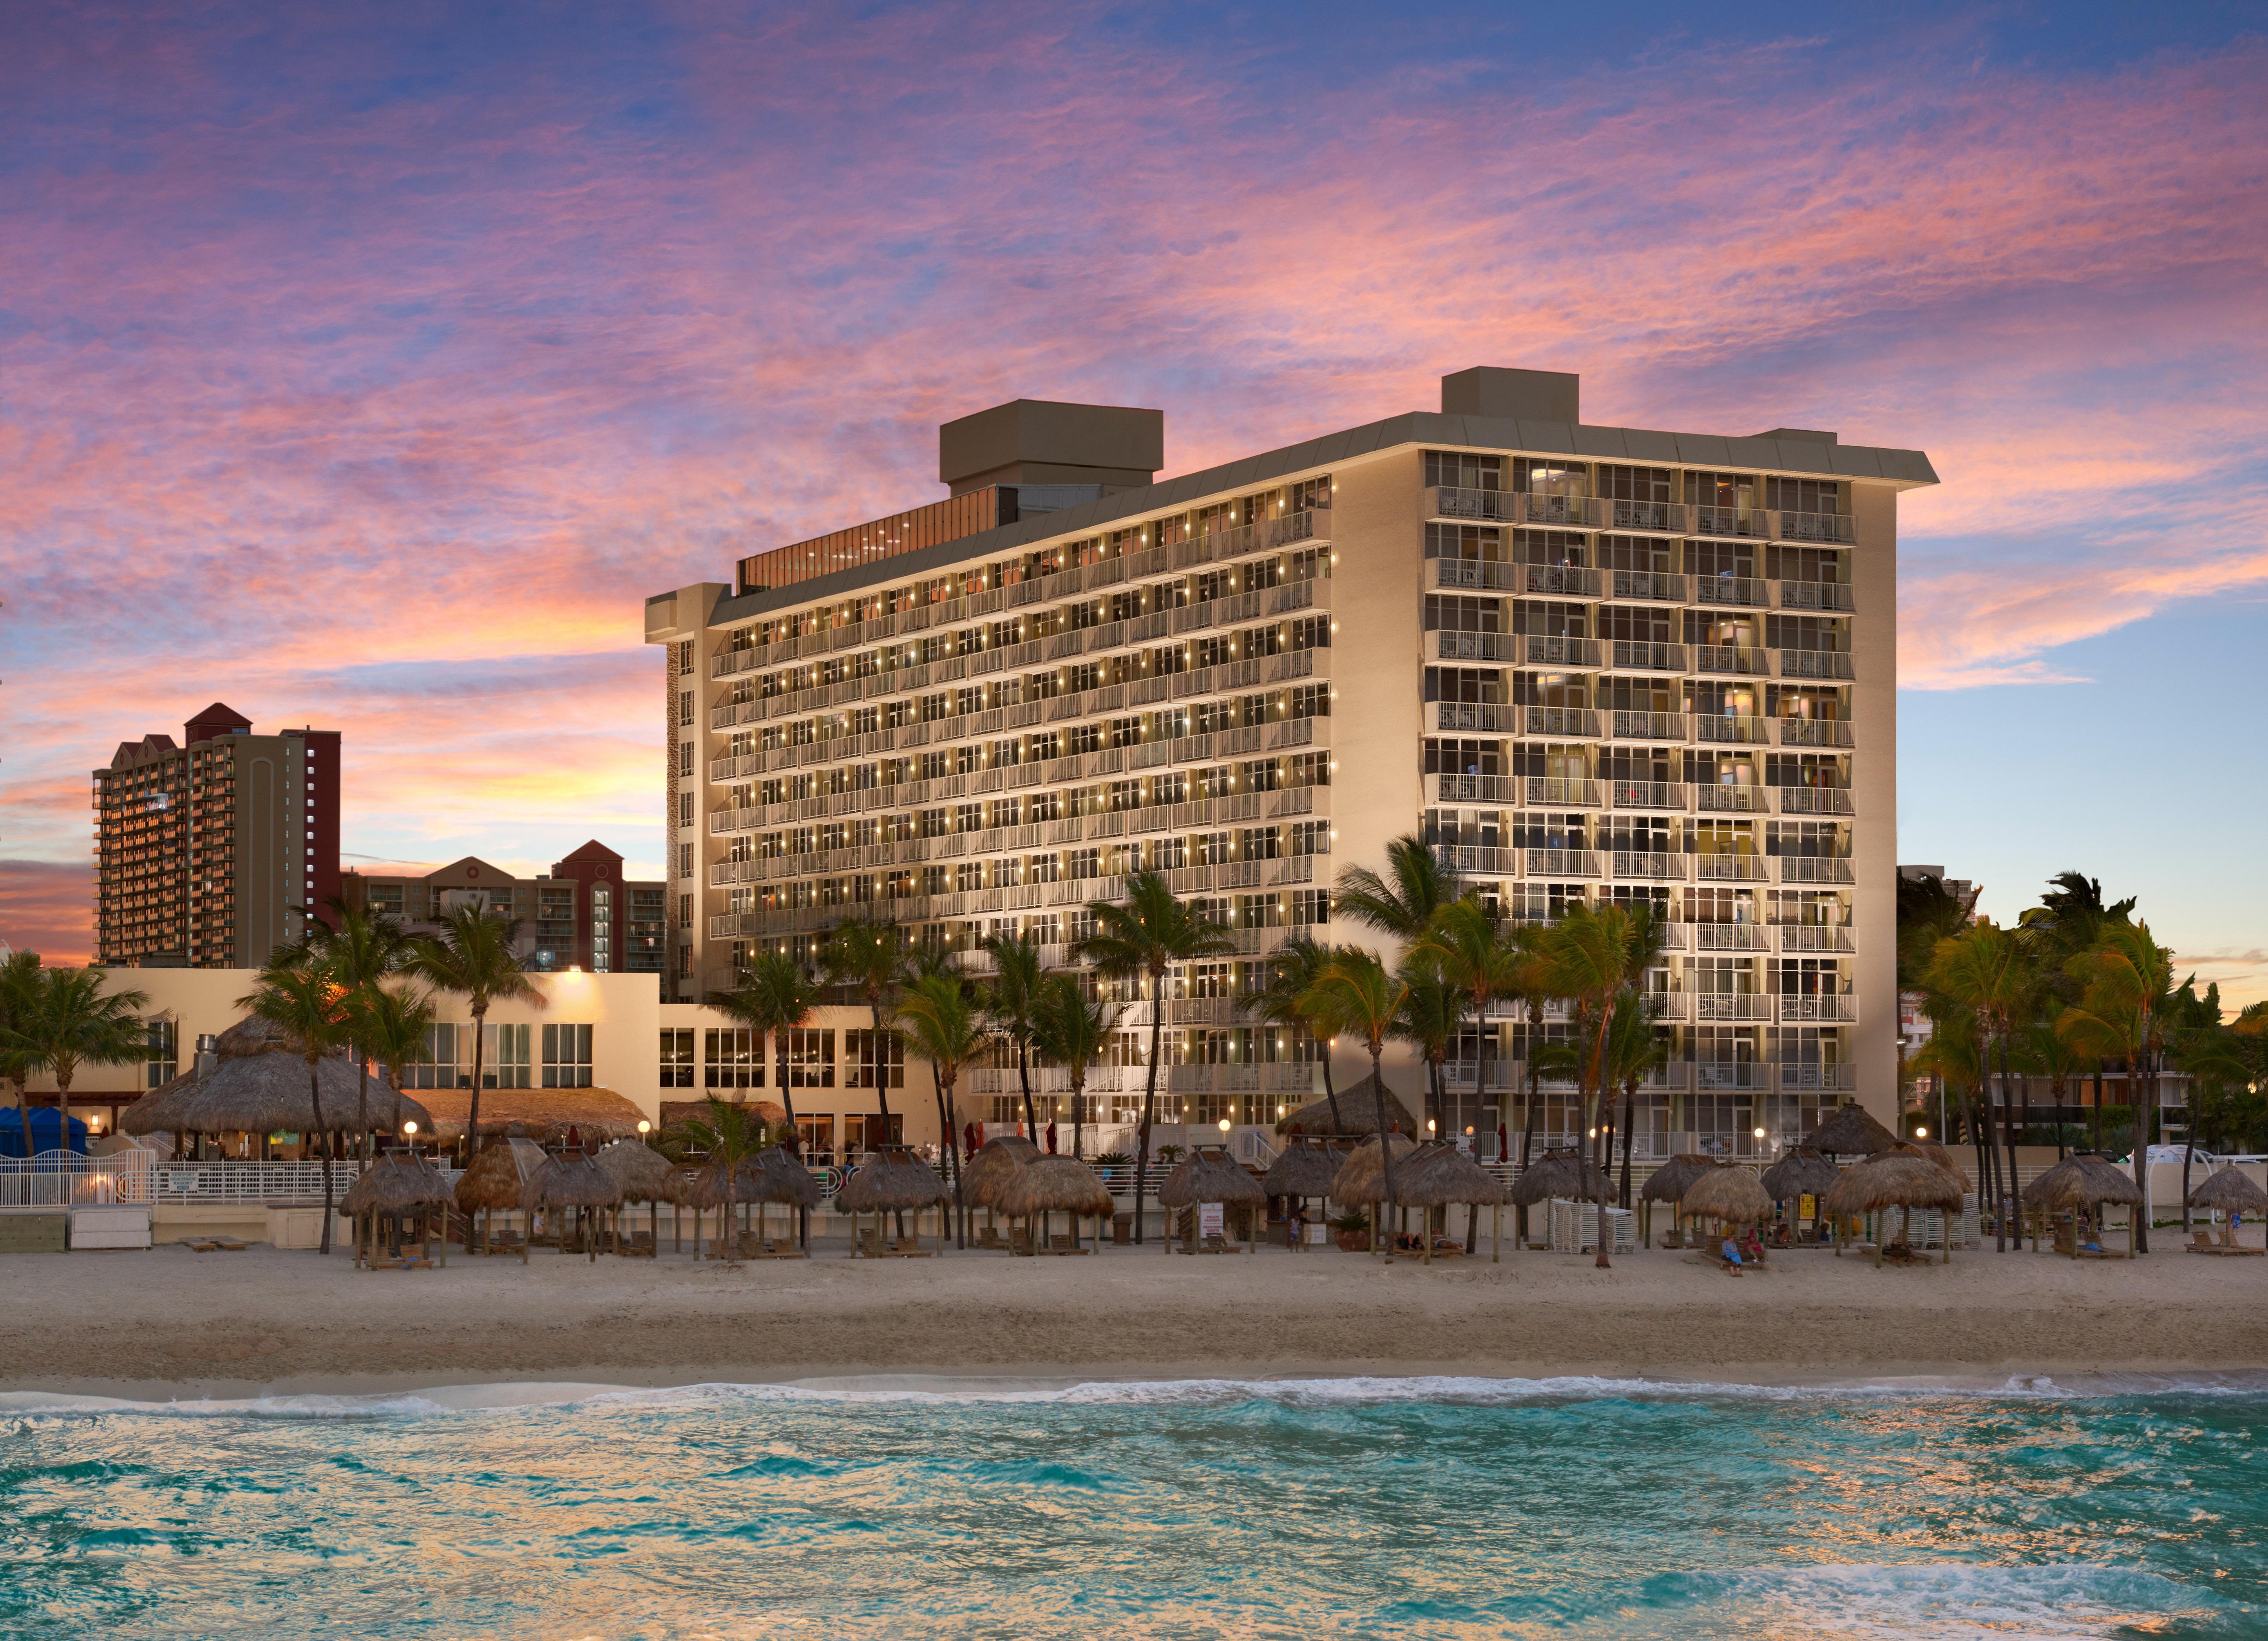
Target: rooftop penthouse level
1587	663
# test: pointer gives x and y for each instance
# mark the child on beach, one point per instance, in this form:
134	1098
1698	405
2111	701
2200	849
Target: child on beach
1732	1256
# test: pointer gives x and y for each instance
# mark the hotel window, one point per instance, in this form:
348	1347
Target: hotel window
506	1056
807	1059
676	1057
1445	613
161	1058
734	1058
875	1059
1463	470
566	1056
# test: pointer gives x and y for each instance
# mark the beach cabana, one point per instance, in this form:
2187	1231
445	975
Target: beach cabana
1802	1173
2081	1184
1900	1178
492	1183
549	1117
1943	1157
1731	1196
1303	1171
987	1174
1851	1132
1441	1174
257	1084
574	1191
1358	1113
1361	1182
894	1182
768	1180
643	1174
1667	1184
399	1200
1055	1185
1563	1174
2226	1191
1210	1175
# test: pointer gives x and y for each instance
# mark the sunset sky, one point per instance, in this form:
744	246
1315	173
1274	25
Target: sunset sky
367	366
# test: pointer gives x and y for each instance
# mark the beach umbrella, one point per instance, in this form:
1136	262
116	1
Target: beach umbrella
1730	1195
1851	1132
2228	1191
1561	1173
1900	1178
396	1187
1057	1184
1667	1184
1439	1175
643	1174
2083	1182
1801	1173
1210	1175
574	1183
1358	1113
1303	1171
491	1183
896	1182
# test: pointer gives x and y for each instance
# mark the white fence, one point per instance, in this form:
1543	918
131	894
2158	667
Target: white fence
65	1179
59	1179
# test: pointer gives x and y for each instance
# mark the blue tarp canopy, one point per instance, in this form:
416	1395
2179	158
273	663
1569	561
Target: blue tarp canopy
47	1131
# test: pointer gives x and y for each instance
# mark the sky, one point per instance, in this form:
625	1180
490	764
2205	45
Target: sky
367	367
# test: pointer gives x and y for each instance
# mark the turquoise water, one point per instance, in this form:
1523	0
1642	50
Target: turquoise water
1412	1508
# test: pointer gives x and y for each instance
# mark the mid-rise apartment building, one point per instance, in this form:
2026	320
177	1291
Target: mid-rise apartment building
1587	663
585	915
210	854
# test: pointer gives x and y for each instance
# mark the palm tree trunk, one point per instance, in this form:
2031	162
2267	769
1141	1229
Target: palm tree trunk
315	1103
1594	1098
881	1071
2008	1132
480	1055
1330	1091
960	1200
1024	1080
2145	1132
1385	1147
787	1097
2098	1105
1149	1100
362	1098
1077	1111
24	1113
1629	1111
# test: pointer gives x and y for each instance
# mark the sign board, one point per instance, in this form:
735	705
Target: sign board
1210	1217
1806	1206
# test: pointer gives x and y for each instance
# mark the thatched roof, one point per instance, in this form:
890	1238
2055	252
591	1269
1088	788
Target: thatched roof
497	1172
1358	1113
769	1177
1306	1167
993	1165
1562	1174
1210	1175
1851	1132
2082	1180
897	1180
1668	1183
395	1184
1361	1178
1944	1159
569	1179
1440	1174
1056	1185
1733	1195
2230	1191
1898	1178
642	1173
675	1114
1799	1173
543	1114
257	1085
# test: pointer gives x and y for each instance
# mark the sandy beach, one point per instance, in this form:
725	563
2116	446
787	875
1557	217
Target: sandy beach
172	1323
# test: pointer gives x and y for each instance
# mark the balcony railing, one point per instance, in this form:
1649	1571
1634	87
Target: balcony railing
1795	1010
1815	595
1558	791
1813	664
1635	725
1580	722
1814	732
1815	869
1732	1005
1815	938
1815	801
1648	865
1656	518
1475	861
1650	794
1746	591
1565	513
1647	587
1563	581
1836	529
1485	715
1476	646
1792	1074
1562	862
1542	651
1477	574
1747	800
1723	657
1729	522
1730	869
1747	732
1637	655
1729	937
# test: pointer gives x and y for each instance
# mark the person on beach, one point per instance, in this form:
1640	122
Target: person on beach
1732	1256
1295	1227
1051	1136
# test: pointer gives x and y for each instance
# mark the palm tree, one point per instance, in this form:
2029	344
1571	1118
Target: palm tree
1982	970
70	1020
363	951
1599	955
1143	940
1012	1001
2128	982
867	955
1533	980
2069	920
1400	904
19	995
473	957
1431	1013
1356	994
389	1026
944	1026
301	996
1292	973
777	995
1475	954
730	1140
1072	1029
1635	1051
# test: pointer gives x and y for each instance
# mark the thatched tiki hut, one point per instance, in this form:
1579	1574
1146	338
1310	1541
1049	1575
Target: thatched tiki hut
1303	1171
1358	1113
2082	1185
987	1175
1361	1182
1732	1197
1567	1174
1903	1179
1052	1185
491	1185
1439	1175
1208	1176
399	1200
549	1117
575	1191
1943	1157
894	1182
257	1084
1802	1173
1851	1132
1667	1184
768	1180
643	1174
2228	1191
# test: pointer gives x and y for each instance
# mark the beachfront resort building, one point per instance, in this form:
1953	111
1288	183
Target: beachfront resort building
210	854
583	914
1587	663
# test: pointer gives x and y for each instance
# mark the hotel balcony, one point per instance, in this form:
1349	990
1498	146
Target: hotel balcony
1736	522
1832	529
1647	866
1746	801
1651	795
1817	595
1732	1005
1813	664
1815	869
1742	592
1729	937
1815	938
1562	862
1472	646
1798	1009
1541	652
1647	587
1814	732
1745	731
1636	655
1731	659
1815	801
1731	868
1792	1074
1450	503
1474	861
1630	725
1645	518
1486	716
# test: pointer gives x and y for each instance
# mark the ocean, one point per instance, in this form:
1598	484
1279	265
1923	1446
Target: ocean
1414	1508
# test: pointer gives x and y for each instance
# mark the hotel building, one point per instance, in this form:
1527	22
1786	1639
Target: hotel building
584	915
1587	663
209	855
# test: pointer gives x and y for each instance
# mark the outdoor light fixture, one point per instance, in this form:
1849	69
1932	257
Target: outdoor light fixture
1921	1133
1429	1125
645	1126
1760	1133
409	1129
1223	1125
